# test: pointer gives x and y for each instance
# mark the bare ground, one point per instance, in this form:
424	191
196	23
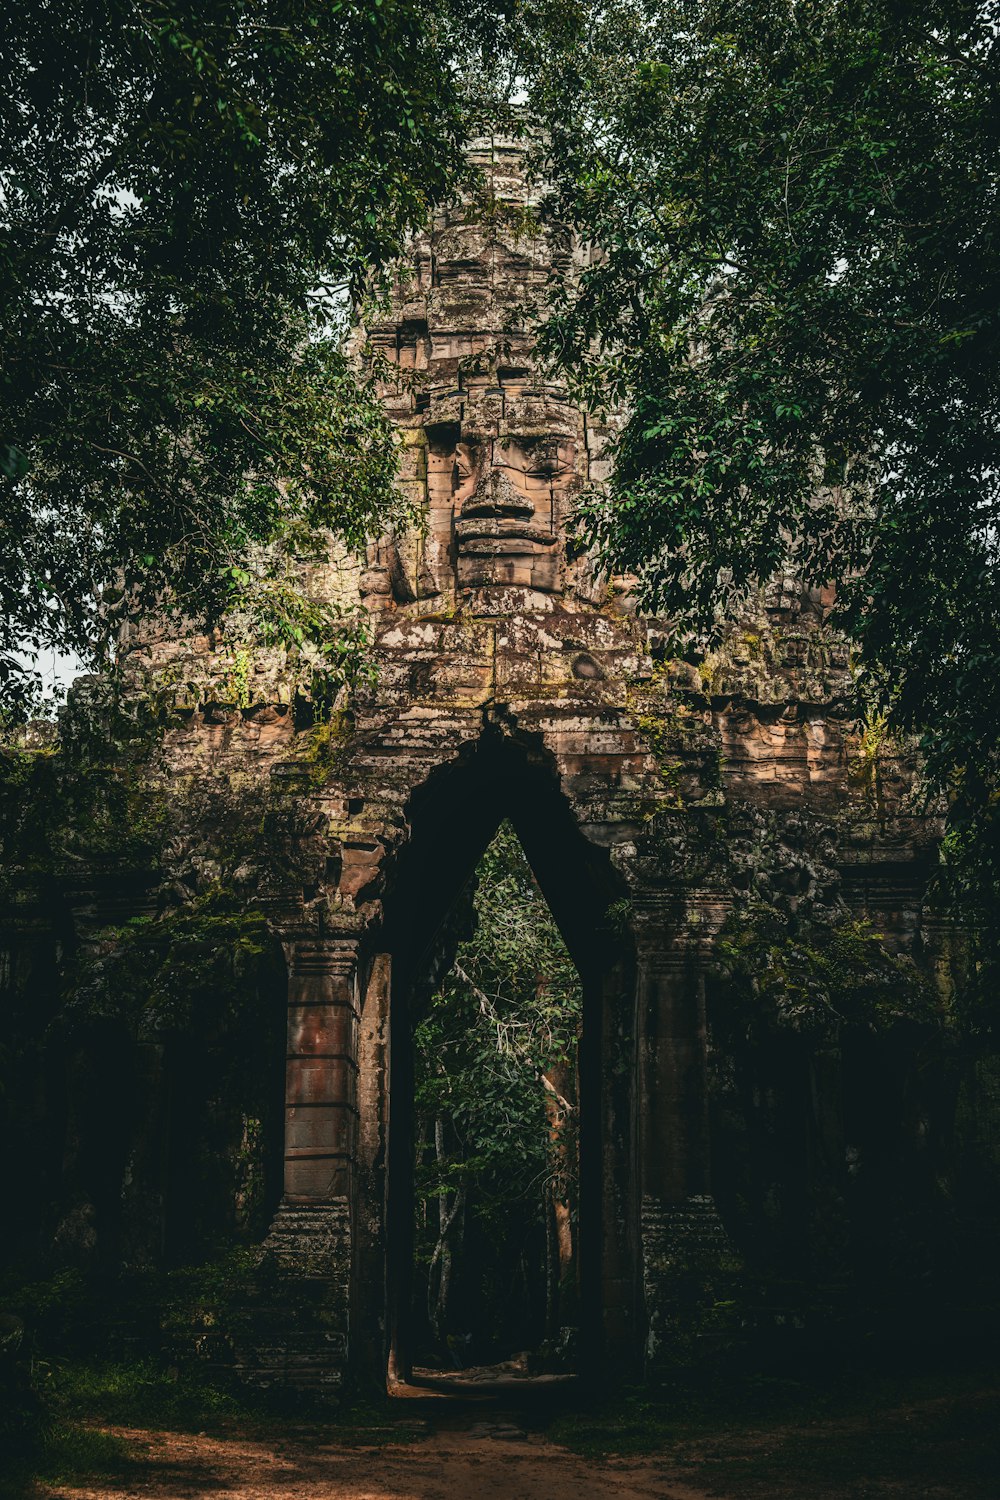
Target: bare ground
478	1460
904	1441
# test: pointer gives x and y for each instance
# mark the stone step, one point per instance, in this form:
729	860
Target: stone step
295	1338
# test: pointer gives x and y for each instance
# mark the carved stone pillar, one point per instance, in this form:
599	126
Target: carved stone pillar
300	1329
321	1070
369	1331
608	1253
673	1087
686	1254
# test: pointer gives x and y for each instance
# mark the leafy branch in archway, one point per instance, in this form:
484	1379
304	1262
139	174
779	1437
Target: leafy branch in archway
496	1106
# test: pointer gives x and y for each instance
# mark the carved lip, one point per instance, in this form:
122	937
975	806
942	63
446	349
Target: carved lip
485	529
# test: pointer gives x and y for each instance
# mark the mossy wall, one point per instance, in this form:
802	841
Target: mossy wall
141	1086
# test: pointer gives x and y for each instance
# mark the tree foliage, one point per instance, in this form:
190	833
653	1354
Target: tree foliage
797	299
191	971
821	981
189	195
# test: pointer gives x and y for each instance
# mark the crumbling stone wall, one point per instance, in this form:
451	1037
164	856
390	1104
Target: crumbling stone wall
654	795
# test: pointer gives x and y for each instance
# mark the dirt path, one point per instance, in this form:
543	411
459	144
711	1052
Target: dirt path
899	1442
481	1459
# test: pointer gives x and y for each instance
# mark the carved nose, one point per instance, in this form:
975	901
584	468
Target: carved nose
494	495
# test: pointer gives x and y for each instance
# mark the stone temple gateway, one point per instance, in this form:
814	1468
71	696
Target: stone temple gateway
651	795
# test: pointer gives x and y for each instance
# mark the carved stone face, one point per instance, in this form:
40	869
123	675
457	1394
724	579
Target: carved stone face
508	492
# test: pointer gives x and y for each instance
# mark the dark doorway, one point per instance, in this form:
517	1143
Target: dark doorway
511	1253
496	1117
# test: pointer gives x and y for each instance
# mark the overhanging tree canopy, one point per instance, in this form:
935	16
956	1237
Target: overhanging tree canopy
185	191
798	299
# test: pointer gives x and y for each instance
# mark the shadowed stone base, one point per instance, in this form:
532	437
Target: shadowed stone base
296	1336
309	1241
688	1266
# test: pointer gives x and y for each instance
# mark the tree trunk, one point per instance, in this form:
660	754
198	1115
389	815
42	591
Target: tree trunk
558	1084
551	1265
439	1288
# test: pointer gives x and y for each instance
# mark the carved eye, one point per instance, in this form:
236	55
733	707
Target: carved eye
544	460
544	468
533	461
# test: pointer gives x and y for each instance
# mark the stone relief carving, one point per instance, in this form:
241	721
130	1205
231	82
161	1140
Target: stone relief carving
493	455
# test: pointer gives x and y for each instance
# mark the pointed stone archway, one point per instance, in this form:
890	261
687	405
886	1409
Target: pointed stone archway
644	1145
652	788
454	816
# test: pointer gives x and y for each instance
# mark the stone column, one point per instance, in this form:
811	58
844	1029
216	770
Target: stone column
369	1331
673	1084
321	1070
609	1263
686	1254
300	1331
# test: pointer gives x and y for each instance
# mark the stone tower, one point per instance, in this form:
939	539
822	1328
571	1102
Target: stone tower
651	793
513	684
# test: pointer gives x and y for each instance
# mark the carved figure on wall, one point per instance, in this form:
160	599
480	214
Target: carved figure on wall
493	456
504	478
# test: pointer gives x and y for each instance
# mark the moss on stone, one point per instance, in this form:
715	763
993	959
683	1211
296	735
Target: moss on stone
323	748
818	979
186	971
868	766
